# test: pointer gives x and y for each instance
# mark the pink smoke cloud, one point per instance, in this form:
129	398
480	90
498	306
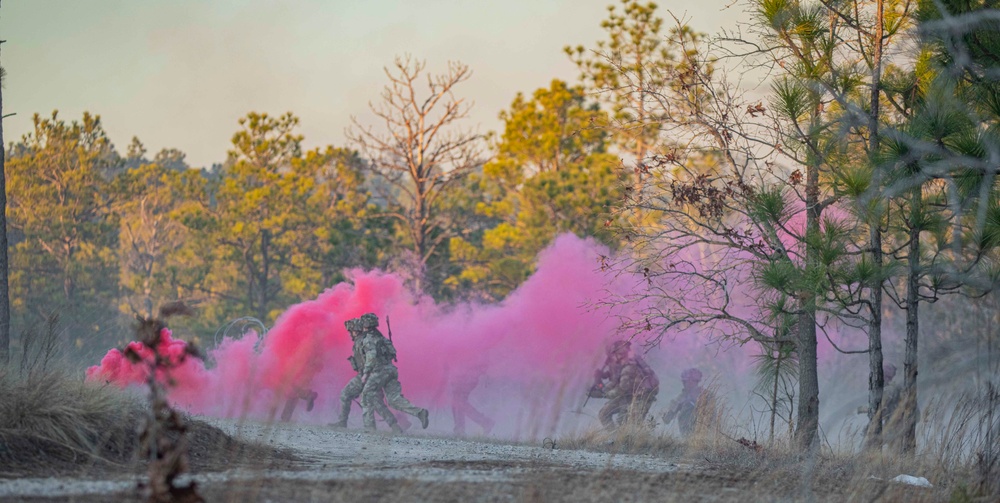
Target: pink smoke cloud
541	334
536	350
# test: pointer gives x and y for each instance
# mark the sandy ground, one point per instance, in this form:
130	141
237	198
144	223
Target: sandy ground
349	465
351	455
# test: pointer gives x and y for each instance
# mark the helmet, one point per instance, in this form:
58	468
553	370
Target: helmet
691	374
888	371
618	346
351	325
368	320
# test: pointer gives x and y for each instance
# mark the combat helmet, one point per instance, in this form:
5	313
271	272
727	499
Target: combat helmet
351	325
618	346
691	374
368	320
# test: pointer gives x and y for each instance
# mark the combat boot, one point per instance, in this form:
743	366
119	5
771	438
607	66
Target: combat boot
422	416
339	424
396	429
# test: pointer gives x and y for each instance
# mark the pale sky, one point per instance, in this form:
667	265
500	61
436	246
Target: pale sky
179	73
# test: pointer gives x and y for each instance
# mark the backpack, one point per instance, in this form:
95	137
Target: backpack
649	380
384	350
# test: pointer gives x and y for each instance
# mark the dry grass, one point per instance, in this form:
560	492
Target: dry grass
629	439
53	424
64	417
779	471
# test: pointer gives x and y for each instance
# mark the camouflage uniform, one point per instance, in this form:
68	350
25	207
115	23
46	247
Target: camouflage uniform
461	387
691	405
632	388
293	400
381	376
354	387
892	413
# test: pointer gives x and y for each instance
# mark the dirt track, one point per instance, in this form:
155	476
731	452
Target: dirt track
340	465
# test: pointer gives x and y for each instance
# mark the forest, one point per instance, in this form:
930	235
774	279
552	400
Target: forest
823	167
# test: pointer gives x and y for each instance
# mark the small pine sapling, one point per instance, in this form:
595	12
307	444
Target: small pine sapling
163	434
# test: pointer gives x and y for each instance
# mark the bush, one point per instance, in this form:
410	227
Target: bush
48	414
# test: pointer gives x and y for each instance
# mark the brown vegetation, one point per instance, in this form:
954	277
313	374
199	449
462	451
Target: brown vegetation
53	424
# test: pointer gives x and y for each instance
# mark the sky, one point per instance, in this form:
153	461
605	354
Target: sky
180	73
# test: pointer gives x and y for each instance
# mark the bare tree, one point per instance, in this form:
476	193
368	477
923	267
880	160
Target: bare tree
739	245
768	210
417	150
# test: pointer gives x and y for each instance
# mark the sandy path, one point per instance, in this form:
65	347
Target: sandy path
351	455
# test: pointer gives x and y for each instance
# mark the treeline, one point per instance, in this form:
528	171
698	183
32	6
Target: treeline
863	180
100	233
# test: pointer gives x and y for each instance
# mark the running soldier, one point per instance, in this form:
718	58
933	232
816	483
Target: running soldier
380	375
354	387
631	387
293	400
462	385
693	404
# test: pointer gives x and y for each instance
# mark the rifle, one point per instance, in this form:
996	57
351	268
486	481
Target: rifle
388	328
598	385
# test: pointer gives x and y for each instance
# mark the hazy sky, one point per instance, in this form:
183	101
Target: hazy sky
179	73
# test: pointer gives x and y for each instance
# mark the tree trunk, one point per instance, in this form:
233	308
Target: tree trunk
774	392
807	431
4	264
876	379
908	400
265	262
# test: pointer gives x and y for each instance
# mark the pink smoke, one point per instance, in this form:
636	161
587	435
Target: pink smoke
541	336
536	350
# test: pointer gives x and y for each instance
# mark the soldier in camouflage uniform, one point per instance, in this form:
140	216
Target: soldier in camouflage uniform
381	376
462	385
693	405
354	387
293	400
892	414
631	387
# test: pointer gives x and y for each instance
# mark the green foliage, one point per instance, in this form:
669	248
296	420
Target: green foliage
551	175
773	366
769	207
556	128
778	14
636	58
779	276
147	195
277	225
63	227
854	181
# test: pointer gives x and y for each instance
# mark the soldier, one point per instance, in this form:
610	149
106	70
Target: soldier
380	375
691	405
293	400
299	393
354	387
891	416
462	385
631	388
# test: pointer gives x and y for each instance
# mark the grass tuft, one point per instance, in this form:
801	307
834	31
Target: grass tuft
59	413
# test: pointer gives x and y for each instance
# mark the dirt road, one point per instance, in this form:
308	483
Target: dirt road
339	465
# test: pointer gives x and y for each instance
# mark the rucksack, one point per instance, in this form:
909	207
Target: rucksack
649	380
385	351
